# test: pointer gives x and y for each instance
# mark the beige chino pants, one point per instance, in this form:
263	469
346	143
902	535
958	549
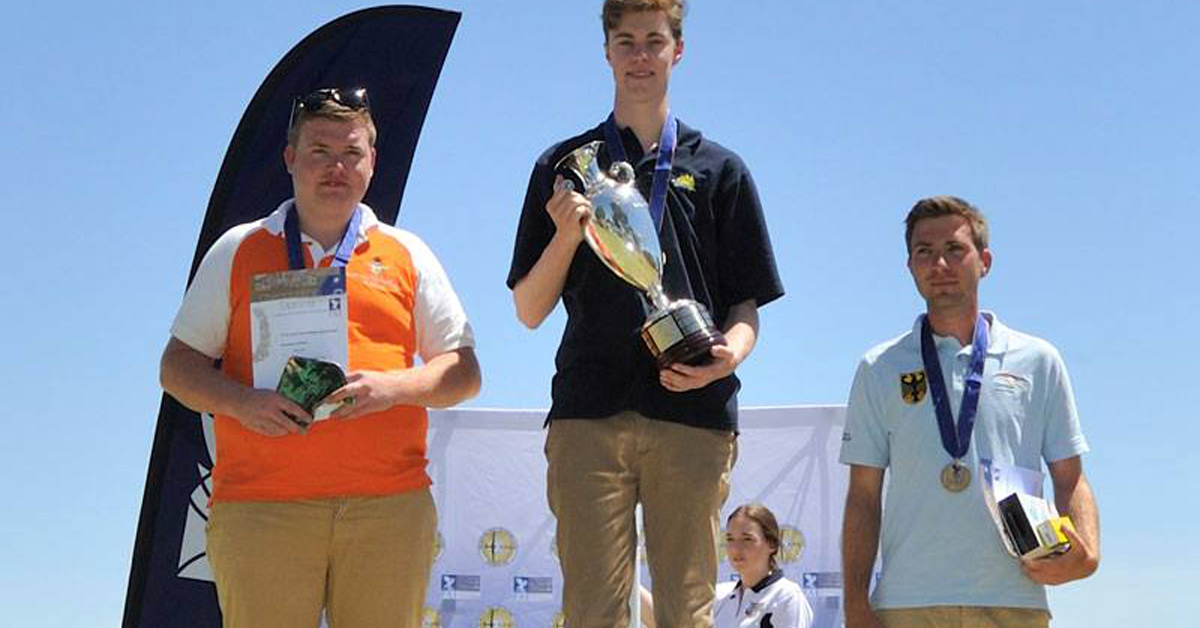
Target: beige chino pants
598	471
364	560
963	617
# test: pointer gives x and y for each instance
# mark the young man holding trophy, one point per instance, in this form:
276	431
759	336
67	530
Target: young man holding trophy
677	248
960	394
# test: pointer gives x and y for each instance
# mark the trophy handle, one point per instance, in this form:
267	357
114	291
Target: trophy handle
622	172
581	166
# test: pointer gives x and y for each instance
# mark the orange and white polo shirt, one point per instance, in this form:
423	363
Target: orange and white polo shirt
400	306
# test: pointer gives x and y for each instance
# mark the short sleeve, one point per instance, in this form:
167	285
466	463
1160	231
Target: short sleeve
1064	437
747	261
441	322
792	611
202	322
535	229
865	440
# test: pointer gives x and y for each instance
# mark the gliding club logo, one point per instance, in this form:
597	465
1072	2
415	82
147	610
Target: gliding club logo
497	546
791	544
497	617
439	546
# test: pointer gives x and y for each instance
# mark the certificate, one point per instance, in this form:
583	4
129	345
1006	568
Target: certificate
297	313
1029	525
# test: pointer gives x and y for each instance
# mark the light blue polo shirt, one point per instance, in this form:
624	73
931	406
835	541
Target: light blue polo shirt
942	548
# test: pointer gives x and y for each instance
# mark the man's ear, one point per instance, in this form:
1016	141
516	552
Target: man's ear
678	52
289	157
986	256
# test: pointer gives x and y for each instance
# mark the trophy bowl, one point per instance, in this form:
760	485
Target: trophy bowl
621	232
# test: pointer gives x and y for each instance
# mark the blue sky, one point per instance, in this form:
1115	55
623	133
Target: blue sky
1073	125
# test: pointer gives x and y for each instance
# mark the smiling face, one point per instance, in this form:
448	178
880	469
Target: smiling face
642	52
748	549
946	264
331	163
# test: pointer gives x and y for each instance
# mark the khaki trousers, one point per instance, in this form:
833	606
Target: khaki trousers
964	617
598	471
364	560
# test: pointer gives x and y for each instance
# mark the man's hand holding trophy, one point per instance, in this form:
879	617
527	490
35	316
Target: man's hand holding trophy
621	231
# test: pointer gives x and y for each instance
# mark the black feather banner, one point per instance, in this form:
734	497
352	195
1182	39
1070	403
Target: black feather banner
397	53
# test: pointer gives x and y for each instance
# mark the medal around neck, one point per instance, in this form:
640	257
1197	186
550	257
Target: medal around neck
956	477
620	230
956	438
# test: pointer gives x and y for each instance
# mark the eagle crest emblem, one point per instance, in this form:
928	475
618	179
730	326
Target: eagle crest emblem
913	387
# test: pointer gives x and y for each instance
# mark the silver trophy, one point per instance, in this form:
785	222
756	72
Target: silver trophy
621	231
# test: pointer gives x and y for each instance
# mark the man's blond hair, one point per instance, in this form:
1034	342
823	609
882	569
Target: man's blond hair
331	110
614	10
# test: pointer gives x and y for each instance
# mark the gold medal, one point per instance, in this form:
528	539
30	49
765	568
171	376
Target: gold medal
956	477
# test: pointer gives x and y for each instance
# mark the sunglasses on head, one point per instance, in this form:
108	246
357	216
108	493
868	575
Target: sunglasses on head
353	98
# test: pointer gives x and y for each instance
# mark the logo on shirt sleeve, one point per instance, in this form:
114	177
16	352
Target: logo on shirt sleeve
913	387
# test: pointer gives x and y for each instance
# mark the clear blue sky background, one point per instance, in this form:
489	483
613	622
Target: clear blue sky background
1072	124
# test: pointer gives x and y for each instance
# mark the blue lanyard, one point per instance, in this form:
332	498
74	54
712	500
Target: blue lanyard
956	443
291	230
662	168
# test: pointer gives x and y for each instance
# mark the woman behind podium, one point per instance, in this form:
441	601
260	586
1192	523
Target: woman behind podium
762	597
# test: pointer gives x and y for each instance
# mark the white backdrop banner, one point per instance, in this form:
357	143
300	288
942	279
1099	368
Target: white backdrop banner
496	565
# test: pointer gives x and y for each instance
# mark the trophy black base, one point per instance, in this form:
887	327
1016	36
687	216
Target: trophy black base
682	333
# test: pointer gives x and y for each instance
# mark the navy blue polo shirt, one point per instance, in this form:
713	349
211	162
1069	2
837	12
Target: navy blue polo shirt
718	252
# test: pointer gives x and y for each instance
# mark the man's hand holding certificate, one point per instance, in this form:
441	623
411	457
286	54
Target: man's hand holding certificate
1064	567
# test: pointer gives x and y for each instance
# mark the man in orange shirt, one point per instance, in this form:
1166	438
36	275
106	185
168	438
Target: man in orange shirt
335	516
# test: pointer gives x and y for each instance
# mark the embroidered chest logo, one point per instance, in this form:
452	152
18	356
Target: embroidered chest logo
377	267
685	181
913	387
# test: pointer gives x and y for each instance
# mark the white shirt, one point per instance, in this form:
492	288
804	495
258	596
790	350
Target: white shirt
775	602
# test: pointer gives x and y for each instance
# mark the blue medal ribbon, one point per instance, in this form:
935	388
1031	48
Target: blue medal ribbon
955	442
291	230
662	168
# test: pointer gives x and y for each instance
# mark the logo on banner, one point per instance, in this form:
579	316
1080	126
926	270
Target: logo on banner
193	546
533	589
821	580
430	618
791	544
497	617
439	545
645	555
498	547
913	387
460	587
